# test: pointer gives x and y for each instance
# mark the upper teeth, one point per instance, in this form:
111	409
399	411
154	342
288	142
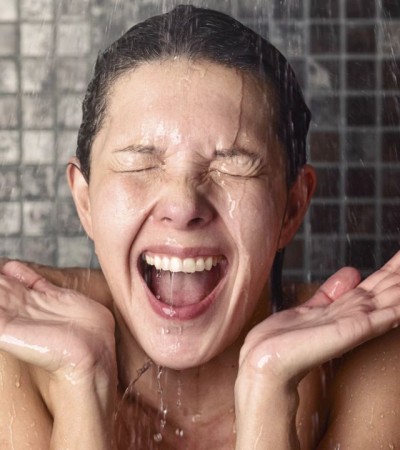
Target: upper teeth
187	265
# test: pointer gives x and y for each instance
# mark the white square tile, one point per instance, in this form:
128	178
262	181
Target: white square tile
37	147
37	9
36	39
69	111
38	218
9	76
10	218
73	39
8	10
9	146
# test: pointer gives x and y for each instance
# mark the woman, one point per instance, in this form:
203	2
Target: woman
190	177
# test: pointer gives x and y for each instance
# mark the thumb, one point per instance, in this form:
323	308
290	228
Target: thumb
26	276
335	286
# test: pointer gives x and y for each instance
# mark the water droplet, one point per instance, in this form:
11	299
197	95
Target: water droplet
157	437
179	432
165	331
196	418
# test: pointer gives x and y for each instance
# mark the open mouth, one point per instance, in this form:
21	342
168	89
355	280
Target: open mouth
180	282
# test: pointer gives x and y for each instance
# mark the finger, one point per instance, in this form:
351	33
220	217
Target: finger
26	276
335	286
384	276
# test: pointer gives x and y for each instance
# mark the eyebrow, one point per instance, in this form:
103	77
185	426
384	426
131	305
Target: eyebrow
235	151
138	148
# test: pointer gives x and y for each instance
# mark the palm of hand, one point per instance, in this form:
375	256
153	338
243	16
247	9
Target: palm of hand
340	316
55	329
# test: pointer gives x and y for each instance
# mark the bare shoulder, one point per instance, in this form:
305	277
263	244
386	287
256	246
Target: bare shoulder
24	419
365	397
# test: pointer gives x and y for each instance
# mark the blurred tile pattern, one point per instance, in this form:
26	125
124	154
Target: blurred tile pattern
347	56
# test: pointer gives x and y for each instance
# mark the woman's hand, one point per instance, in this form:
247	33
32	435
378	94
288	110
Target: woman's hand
279	351
70	339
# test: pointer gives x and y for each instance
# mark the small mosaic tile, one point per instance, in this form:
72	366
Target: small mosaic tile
70	111
10	187
325	111
63	190
72	74
8	10
37	10
391	110
391	146
391	8
391	74
361	39
322	260
10	247
73	39
390	219
391	38
73	9
361	146
39	249
360	219
289	39
8	111
361	253
9	76
360	182
37	39
324	146
325	218
356	9
391	182
37	75
327	9
9	147
74	252
324	74
38	111
361	110
38	147
360	75
38	182
67	219
10	218
324	39
8	39
38	218
66	146
328	183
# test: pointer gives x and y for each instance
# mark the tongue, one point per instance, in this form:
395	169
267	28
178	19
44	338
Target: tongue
181	289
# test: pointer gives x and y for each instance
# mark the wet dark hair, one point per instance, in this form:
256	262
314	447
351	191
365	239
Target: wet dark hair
202	34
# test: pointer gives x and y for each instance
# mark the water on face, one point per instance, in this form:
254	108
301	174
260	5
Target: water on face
18	242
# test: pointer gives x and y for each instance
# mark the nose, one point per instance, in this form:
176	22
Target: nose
182	206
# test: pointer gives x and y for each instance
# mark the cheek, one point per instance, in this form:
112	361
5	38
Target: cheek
117	213
253	211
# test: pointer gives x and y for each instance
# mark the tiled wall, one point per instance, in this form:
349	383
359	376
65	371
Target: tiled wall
346	53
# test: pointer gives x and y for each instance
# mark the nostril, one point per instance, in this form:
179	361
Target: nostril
195	221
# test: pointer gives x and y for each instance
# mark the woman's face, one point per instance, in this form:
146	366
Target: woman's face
186	205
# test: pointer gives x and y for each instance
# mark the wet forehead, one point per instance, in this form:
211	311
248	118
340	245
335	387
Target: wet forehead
181	100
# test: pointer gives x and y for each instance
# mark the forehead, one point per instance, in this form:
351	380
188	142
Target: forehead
189	100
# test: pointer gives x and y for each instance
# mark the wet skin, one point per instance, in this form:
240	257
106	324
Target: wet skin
187	166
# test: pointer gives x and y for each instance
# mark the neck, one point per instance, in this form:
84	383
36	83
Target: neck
190	399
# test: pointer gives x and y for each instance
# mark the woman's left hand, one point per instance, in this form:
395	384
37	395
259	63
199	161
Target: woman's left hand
342	314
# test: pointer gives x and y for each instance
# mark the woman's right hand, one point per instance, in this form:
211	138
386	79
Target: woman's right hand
69	338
